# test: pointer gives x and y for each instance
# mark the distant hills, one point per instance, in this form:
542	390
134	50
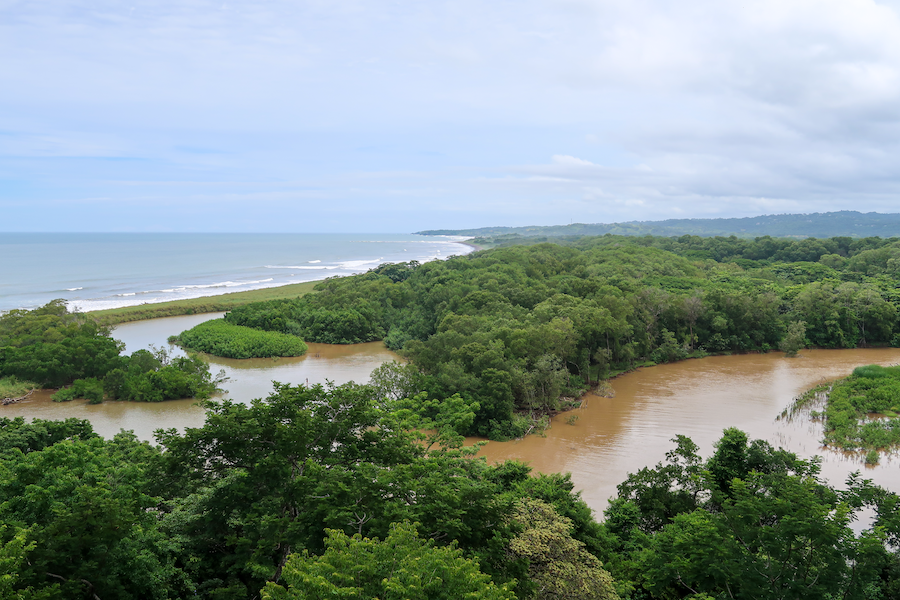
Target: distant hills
820	225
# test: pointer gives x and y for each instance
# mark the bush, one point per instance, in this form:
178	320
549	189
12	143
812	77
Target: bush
91	389
152	377
332	325
220	338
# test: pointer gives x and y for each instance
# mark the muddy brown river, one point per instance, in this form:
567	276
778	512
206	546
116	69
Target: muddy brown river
248	379
610	438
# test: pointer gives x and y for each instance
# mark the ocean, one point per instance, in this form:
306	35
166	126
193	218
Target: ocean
94	271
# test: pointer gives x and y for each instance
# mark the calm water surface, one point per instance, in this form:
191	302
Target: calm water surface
612	436
698	398
248	379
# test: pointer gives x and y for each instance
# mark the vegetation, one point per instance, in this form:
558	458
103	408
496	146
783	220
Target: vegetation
323	492
524	330
366	490
750	522
794	338
402	566
820	225
196	306
12	387
222	338
55	348
90	389
862	411
335	325
272	494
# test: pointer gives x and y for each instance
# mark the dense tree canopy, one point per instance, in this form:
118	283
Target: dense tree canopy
328	492
268	493
750	522
519	329
52	348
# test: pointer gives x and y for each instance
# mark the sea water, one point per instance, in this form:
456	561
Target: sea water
93	271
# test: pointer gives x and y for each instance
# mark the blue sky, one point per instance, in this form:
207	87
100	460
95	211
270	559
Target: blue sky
399	116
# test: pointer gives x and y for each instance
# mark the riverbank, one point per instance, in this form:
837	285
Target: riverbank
196	306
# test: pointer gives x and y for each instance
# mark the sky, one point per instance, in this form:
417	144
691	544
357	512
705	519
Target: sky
377	116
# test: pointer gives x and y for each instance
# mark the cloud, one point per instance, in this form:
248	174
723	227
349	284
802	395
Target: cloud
704	108
571	161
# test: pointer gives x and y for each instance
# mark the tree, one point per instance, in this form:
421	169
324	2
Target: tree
559	566
763	525
402	567
88	522
794	339
693	308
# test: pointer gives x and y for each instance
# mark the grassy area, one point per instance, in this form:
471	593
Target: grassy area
219	338
192	306
860	411
10	387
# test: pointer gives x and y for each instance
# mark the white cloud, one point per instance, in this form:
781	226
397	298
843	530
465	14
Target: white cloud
563	159
710	108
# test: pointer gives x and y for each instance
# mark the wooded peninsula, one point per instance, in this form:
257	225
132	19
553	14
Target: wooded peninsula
366	490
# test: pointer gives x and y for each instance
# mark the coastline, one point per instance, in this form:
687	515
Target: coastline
202	305
474	247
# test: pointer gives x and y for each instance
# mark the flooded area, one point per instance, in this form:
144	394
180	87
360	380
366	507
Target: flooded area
610	438
697	398
247	379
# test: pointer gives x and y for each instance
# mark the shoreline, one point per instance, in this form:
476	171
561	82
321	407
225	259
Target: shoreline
215	303
201	305
474	247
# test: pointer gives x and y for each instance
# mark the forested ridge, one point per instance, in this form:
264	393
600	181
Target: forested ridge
822	225
521	331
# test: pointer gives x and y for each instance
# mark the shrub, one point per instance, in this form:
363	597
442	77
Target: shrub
91	389
220	338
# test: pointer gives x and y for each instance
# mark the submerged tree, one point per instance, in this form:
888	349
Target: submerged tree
794	339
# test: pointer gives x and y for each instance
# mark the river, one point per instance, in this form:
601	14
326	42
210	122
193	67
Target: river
248	379
610	438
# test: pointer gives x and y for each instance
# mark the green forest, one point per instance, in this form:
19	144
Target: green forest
336	492
366	490
50	347
522	331
819	225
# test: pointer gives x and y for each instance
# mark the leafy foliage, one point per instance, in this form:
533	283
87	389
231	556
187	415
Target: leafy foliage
222	338
337	492
559	566
850	401
91	389
53	348
524	330
750	522
402	566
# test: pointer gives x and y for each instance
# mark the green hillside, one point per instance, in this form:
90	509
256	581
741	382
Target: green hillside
819	225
